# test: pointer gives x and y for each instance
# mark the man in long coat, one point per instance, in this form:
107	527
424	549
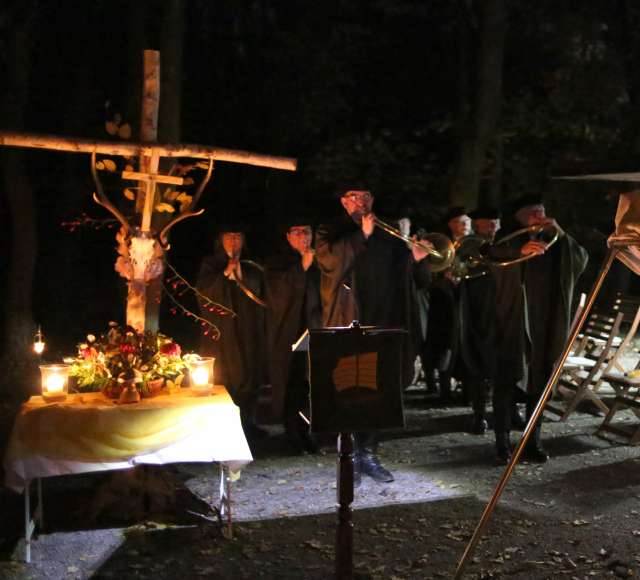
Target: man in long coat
240	350
549	283
477	318
364	273
442	351
533	302
293	298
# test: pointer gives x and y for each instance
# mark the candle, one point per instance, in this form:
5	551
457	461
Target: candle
54	382
38	342
201	372
200	377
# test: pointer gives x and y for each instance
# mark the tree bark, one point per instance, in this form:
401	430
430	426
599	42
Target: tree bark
629	14
17	360
480	93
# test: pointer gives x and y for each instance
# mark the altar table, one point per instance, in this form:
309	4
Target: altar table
87	432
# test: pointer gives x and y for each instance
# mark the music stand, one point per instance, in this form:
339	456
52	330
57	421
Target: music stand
355	376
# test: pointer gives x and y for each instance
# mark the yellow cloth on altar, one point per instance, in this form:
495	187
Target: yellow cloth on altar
88	427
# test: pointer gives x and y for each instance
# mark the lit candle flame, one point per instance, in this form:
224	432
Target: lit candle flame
38	342
200	377
55	383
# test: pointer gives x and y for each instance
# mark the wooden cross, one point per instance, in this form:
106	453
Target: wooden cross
142	313
150	180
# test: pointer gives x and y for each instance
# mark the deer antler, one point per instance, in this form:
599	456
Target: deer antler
100	198
187	213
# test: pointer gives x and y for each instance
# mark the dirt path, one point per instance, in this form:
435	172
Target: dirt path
575	517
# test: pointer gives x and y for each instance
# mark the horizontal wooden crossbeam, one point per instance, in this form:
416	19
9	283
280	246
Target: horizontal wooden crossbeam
127	149
137	176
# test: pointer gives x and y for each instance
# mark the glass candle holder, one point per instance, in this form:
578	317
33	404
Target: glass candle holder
54	382
201	374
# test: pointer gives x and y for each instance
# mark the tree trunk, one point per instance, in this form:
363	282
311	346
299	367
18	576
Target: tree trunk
629	13
17	360
480	92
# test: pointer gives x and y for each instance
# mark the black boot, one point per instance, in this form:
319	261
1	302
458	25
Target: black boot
533	451
370	465
517	420
477	391
430	380
480	424
444	380
503	447
357	471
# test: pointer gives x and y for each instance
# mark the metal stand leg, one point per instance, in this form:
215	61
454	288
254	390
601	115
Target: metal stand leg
344	533
225	502
30	522
39	512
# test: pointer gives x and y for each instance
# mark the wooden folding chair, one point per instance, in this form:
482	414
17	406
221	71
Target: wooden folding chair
581	383
616	367
591	341
627	397
626	304
627	388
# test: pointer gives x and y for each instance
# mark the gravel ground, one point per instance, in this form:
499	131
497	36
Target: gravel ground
574	517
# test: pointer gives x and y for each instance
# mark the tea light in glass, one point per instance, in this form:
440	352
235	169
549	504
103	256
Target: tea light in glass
201	374
55	382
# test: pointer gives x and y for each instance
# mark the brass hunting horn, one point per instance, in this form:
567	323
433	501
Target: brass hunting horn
441	254
470	259
473	257
530	230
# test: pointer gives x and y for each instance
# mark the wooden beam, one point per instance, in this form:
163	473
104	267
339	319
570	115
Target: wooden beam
150	195
127	149
137	176
633	177
150	96
149	132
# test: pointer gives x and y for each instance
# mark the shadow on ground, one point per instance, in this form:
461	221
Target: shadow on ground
422	541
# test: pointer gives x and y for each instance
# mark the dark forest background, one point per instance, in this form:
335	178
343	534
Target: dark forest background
427	103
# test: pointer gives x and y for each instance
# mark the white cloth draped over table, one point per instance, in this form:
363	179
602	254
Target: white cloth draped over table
90	433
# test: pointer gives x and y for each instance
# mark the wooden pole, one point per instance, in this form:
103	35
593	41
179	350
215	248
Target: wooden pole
128	149
536	415
344	532
149	133
143	303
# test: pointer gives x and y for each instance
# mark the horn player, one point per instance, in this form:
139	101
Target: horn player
293	298
442	351
531	332
366	275
240	350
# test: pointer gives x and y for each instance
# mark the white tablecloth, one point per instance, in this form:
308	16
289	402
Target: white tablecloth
220	438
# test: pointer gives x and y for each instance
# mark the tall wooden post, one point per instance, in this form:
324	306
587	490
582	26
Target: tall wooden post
344	531
143	306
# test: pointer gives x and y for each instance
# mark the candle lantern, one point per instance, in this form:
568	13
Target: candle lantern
55	382
201	375
38	342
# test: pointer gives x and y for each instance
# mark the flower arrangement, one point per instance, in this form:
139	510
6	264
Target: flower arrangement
124	355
